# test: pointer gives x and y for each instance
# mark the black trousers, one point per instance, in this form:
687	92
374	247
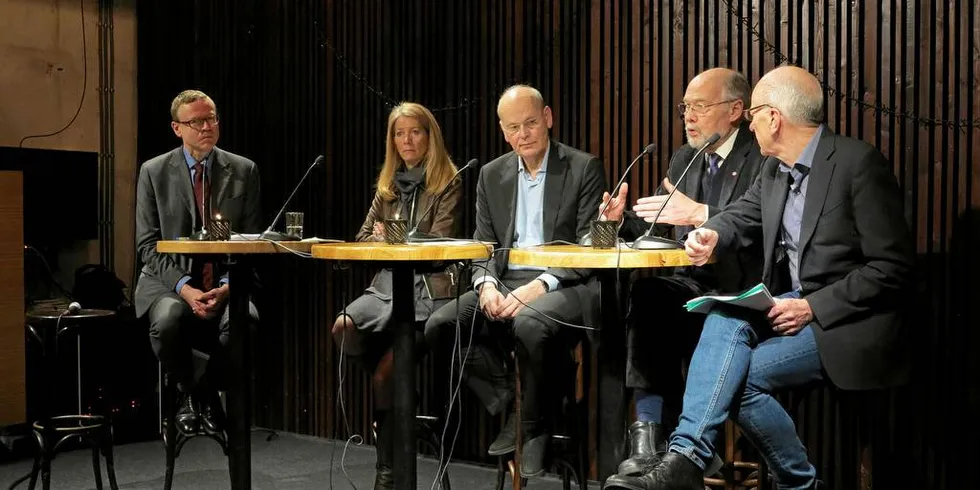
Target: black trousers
175	331
661	335
541	344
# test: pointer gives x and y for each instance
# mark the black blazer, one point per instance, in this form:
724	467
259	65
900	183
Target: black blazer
166	210
737	269
856	256
572	192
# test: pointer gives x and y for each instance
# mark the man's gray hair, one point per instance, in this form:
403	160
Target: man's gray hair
737	87
798	104
533	92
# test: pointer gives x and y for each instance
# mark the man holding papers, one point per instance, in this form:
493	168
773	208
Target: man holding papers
660	333
824	208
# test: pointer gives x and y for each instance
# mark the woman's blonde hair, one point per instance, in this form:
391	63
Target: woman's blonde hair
439	168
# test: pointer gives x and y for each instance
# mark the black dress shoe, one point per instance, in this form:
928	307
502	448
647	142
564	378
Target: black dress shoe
646	440
212	415
673	472
532	455
506	441
384	477
186	420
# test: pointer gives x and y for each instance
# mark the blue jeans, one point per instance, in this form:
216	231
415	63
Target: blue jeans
734	372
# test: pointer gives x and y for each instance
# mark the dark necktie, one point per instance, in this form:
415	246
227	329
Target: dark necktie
713	159
207	269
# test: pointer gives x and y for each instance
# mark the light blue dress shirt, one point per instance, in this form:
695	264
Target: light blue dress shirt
795	199
529	217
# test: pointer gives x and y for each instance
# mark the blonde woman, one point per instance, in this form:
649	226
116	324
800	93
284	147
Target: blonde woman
417	170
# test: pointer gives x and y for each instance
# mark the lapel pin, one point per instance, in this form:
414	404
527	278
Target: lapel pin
734	174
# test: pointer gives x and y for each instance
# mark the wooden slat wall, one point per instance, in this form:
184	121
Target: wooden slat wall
296	79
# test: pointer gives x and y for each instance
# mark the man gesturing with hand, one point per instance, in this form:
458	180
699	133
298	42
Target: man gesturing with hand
838	256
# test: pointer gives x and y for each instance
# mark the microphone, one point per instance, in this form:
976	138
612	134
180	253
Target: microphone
202	234
650	242
652	147
74	308
414	235
275	236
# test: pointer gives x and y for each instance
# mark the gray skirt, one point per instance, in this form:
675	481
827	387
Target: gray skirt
371	311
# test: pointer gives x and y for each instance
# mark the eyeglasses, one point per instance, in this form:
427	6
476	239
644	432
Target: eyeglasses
531	124
750	112
699	108
198	123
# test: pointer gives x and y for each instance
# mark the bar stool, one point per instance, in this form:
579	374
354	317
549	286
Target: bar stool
568	449
47	326
173	439
737	471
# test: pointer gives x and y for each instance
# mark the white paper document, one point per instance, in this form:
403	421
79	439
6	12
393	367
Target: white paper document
757	298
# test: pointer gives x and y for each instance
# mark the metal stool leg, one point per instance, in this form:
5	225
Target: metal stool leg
110	466
96	466
36	469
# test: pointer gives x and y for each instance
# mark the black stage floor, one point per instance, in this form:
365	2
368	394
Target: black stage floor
288	462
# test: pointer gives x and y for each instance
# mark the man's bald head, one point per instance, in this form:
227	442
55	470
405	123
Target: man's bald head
516	93
795	92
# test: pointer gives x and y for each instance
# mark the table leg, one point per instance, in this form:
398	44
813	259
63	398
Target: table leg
403	314
612	379
239	379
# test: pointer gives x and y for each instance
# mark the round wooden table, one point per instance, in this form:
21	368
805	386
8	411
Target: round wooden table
239	274
577	256
403	259
611	337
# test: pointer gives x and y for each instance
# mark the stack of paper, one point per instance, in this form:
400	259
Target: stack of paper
757	298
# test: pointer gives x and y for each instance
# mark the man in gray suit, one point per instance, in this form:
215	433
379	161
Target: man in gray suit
185	297
541	192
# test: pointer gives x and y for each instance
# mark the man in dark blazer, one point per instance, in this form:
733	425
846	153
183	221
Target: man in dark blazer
185	297
826	209
660	332
541	192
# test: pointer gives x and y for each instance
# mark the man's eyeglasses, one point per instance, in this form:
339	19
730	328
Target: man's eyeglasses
750	112
531	124
198	123
699	108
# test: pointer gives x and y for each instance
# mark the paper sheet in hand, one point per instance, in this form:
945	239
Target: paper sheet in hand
757	298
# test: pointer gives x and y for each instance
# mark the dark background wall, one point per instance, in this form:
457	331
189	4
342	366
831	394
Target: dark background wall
294	79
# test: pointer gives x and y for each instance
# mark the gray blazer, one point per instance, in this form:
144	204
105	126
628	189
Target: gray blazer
165	210
572	193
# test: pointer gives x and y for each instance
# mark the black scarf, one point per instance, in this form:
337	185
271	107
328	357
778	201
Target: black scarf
409	181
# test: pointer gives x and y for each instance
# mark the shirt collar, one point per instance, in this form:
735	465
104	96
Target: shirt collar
191	161
809	151
544	162
727	146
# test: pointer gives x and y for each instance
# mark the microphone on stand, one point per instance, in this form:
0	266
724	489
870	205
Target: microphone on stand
652	147
202	234
275	236
414	235
650	242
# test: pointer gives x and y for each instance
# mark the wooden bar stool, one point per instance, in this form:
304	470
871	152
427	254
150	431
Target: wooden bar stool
738	472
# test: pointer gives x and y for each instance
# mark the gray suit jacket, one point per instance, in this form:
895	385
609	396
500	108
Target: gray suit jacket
572	193
735	270
165	210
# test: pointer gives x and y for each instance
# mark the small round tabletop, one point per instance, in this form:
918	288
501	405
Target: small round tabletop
577	256
231	247
51	314
420	252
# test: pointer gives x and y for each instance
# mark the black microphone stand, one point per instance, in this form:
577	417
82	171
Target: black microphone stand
587	239
416	236
650	242
276	236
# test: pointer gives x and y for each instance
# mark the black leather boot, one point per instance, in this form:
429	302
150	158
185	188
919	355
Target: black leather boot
673	472
384	478
647	440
